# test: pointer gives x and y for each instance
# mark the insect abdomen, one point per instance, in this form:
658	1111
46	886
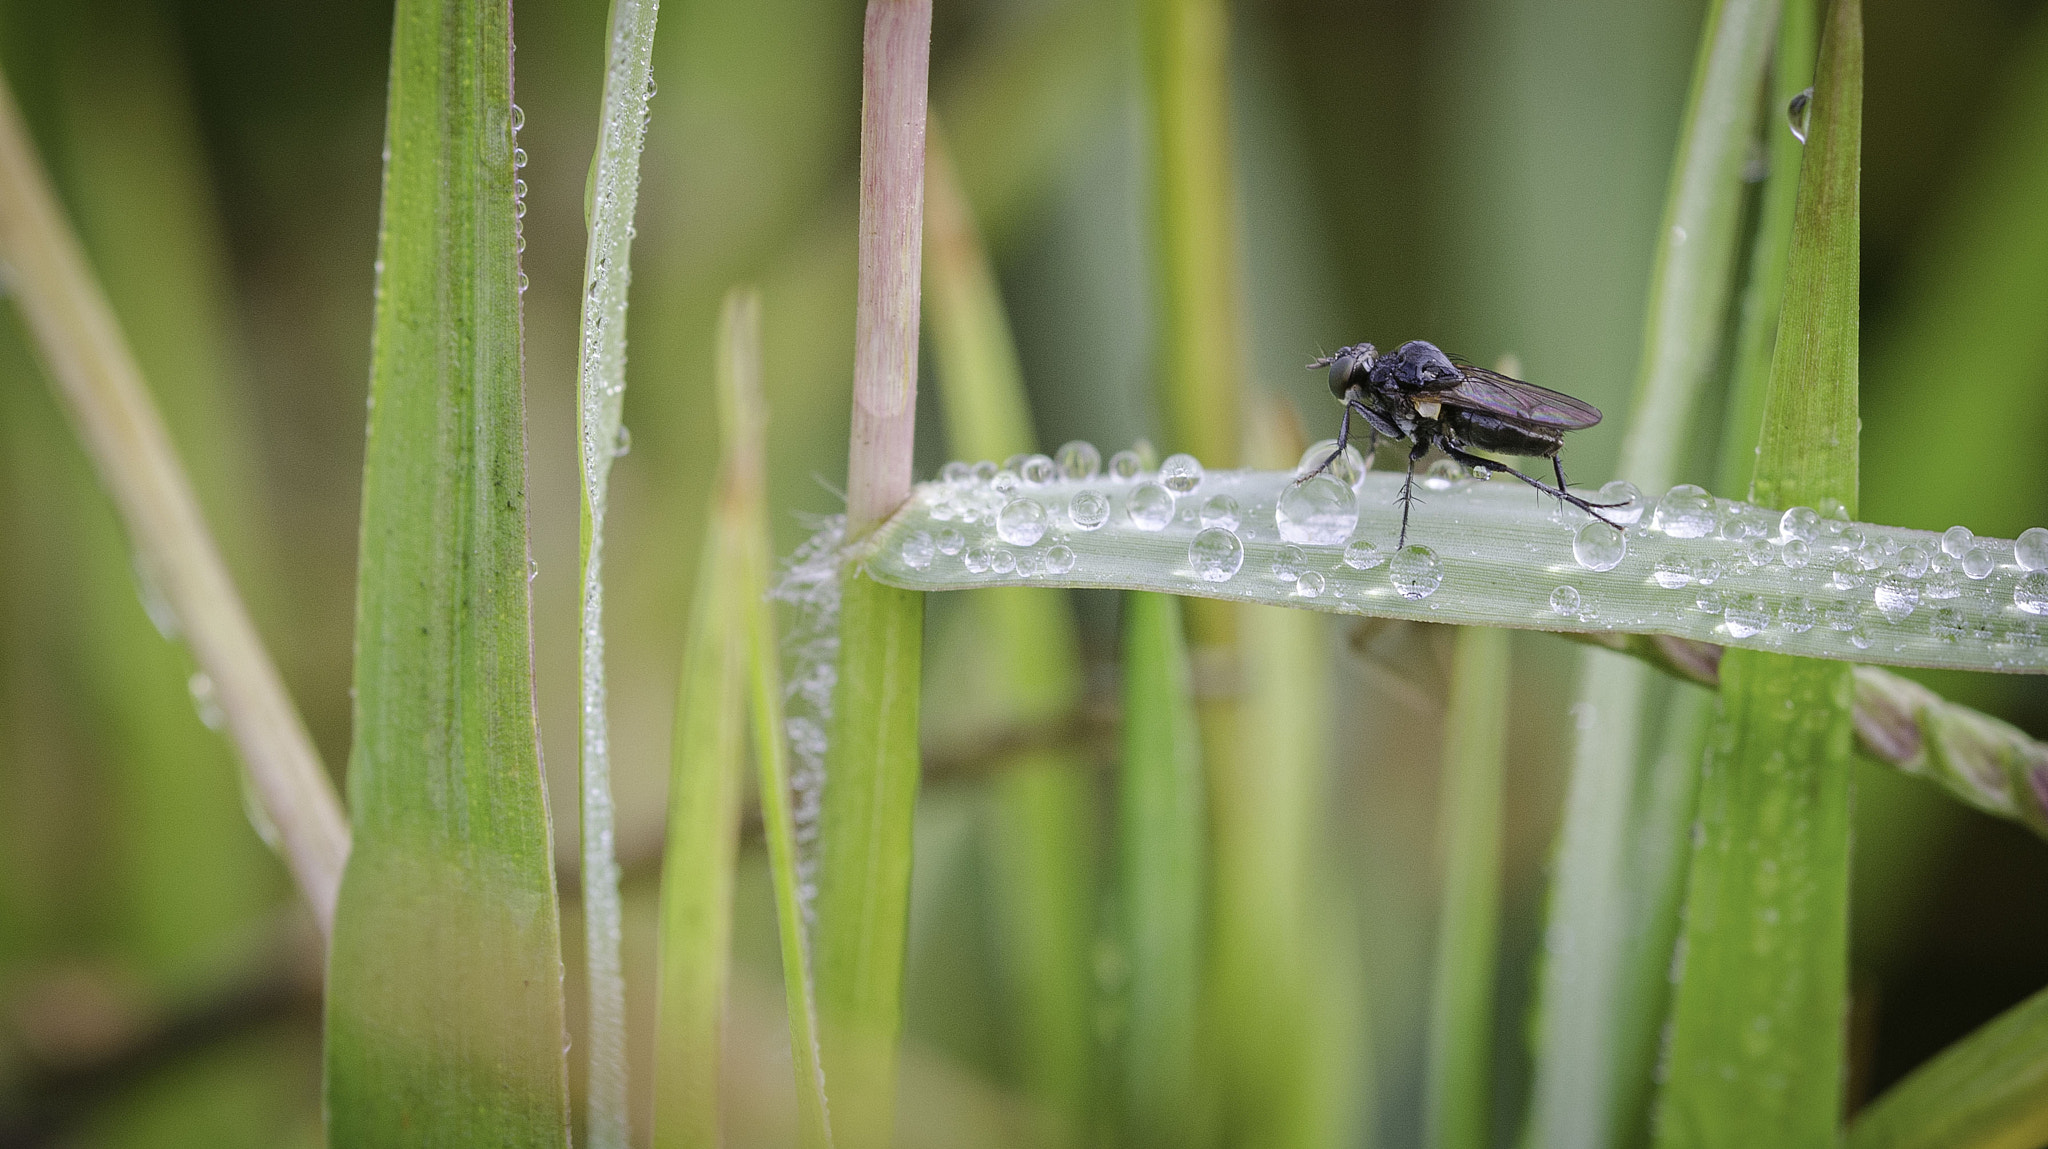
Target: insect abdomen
1491	433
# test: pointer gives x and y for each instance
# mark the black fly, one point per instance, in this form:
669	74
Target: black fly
1421	395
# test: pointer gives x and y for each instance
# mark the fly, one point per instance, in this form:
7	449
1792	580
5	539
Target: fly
1420	395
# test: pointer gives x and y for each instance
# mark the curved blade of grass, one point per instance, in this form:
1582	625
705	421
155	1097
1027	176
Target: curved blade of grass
1987	1091
863	899
1458	1094
1040	843
1757	1028
1162	848
444	1002
1502	553
102	390
613	194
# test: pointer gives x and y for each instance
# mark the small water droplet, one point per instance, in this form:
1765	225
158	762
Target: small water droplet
1710	602
985	472
522	283
518	158
518	189
1220	511
1216	554
1957	541
1672	572
1800	523
1565	601
1599	547
622	442
1941	586
1443	475
1079	460
1309	585
1798	615
1839	616
1126	465
1978	563
1707	572
532	568
2030	594
1859	637
1359	554
917	550
1833	510
1685	512
1758	552
1003	561
1895	597
1746	616
1794	554
956	472
205	700
1038	470
1799	114
1320	512
1847	573
1415	572
1006	482
518	118
1180	473
1021	522
1623	492
1150	507
1911	561
2030	550
1088	509
949	541
1348	468
1287	563
1947	625
1059	559
1941	562
979	558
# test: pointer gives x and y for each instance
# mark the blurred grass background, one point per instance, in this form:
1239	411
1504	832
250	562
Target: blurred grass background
1482	173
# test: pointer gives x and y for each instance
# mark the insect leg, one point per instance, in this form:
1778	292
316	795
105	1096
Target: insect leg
1343	438
1472	460
1407	500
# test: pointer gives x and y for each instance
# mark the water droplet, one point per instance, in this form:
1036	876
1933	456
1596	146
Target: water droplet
1685	512
1746	616
1859	637
205	700
1079	460
1707	572
2030	594
1309	585
1710	602
1833	510
622	442
1360	554
1003	561
1216	554
1941	562
1941	586
1956	541
1059	559
1021	522
1912	561
1672	572
1800	523
1794	554
532	568
1347	468
1006	482
1565	600
1151	507
984	472
956	472
949	541
1287	563
1798	615
518	158
1443	475
1320	512
522	283
1415	572
1038	470
1220	511
1623	492
917	550
2030	550
1978	563
1126	465
1599	547
1896	597
979	558
1088	509
1839	616
1847	573
1758	552
1947	625
1799	114
518	189
1180	473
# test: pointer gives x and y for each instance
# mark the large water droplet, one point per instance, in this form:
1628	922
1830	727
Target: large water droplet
1685	512
1309	585
2030	594
1216	554
949	541
1220	511
1630	500
1288	562
1599	547
1360	554
1038	470
1978	563
1126	465
1565	601
1746	616
1415	572
1151	507
1059	559
1079	460
1347	468
1799	114
1180	473
2030	550
1895	597
1801	523
1672	572
1021	522
1847	573
1088	509
917	549
1321	512
1957	540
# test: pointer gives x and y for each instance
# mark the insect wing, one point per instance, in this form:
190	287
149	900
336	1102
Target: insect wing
1492	392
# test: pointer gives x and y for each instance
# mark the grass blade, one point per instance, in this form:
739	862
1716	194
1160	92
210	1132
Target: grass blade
863	898
444	1004
601	391
1457	1087
102	390
1161	839
1756	1046
1987	1091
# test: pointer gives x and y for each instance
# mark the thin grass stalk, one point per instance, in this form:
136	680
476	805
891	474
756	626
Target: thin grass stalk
870	792
1457	1084
601	388
101	388
1987	1091
1041	837
1756	1048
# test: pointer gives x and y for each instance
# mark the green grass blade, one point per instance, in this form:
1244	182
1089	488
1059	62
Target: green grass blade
1162	846
1987	1091
1458	1083
1757	1028
444	1003
614	192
